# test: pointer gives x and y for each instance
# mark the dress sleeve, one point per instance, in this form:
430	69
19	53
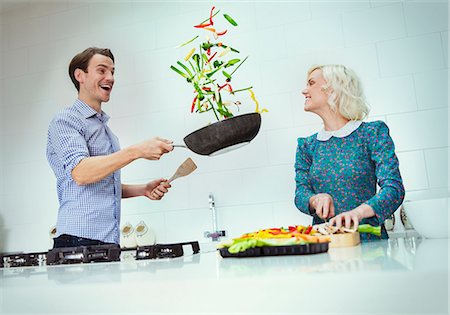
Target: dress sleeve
303	189
68	142
391	193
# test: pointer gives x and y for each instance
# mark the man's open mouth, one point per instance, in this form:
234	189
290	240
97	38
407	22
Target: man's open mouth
106	87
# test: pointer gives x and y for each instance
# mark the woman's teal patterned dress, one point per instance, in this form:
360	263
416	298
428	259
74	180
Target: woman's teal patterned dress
349	169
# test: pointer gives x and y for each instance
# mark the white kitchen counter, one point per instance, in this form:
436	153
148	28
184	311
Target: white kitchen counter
399	276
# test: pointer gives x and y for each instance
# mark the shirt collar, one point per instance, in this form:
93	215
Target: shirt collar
349	127
88	111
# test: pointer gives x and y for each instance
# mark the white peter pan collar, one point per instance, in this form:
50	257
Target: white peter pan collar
349	127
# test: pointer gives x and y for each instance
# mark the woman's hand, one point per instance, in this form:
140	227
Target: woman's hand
323	205
156	189
348	219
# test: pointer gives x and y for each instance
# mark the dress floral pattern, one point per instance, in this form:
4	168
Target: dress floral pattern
349	168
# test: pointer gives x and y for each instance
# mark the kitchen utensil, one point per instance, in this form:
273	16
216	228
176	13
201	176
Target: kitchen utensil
345	240
127	236
223	136
144	235
429	217
184	169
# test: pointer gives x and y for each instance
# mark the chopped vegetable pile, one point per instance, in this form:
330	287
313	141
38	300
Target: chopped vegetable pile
210	70
293	235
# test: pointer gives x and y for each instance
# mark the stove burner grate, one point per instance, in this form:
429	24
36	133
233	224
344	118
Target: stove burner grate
83	254
165	250
22	259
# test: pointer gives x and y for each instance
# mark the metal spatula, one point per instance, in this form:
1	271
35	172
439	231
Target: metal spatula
184	169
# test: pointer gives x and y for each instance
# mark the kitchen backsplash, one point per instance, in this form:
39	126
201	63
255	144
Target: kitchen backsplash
398	48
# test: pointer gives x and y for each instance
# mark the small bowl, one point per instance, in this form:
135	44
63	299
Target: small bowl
429	217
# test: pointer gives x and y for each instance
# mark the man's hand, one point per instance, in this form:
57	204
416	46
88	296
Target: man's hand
156	189
154	148
323	205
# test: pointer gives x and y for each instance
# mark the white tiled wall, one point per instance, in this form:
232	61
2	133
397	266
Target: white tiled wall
399	49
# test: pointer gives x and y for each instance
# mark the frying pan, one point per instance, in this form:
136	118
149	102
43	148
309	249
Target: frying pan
224	136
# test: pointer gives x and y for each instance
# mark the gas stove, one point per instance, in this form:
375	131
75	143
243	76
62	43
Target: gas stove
93	254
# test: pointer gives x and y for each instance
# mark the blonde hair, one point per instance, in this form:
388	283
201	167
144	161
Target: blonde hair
347	95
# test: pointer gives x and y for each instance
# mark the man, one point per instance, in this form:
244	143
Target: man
86	158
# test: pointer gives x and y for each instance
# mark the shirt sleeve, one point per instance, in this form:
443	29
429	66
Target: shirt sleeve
391	193
303	189
68	142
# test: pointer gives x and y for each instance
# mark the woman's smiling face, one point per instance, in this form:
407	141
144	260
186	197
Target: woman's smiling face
316	96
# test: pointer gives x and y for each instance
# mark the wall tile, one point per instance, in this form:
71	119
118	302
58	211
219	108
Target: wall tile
302	40
187	225
285	213
14	63
226	186
362	59
24	147
238	220
333	8
444	37
155	221
271	43
36	90
381	3
56	54
413	170
154	65
372	25
267	13
274	183
146	11
391	95
282	145
419	130
280	113
33	117
281	76
100	15
425	17
29	32
410	55
61	26
18	210
37	9
17	238
166	39
437	167
431	81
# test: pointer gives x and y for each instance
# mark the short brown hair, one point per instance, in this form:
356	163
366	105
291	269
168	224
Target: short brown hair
81	61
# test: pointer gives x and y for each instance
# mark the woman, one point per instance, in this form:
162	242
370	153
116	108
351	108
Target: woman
338	168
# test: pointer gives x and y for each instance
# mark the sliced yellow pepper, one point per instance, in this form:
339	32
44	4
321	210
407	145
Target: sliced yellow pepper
189	55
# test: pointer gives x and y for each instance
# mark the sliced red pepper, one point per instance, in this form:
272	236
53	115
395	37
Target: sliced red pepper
202	25
193	104
211	15
206	88
212	56
292	228
226	84
308	230
221	33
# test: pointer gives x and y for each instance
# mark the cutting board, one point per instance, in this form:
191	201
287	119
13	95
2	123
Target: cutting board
344	240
